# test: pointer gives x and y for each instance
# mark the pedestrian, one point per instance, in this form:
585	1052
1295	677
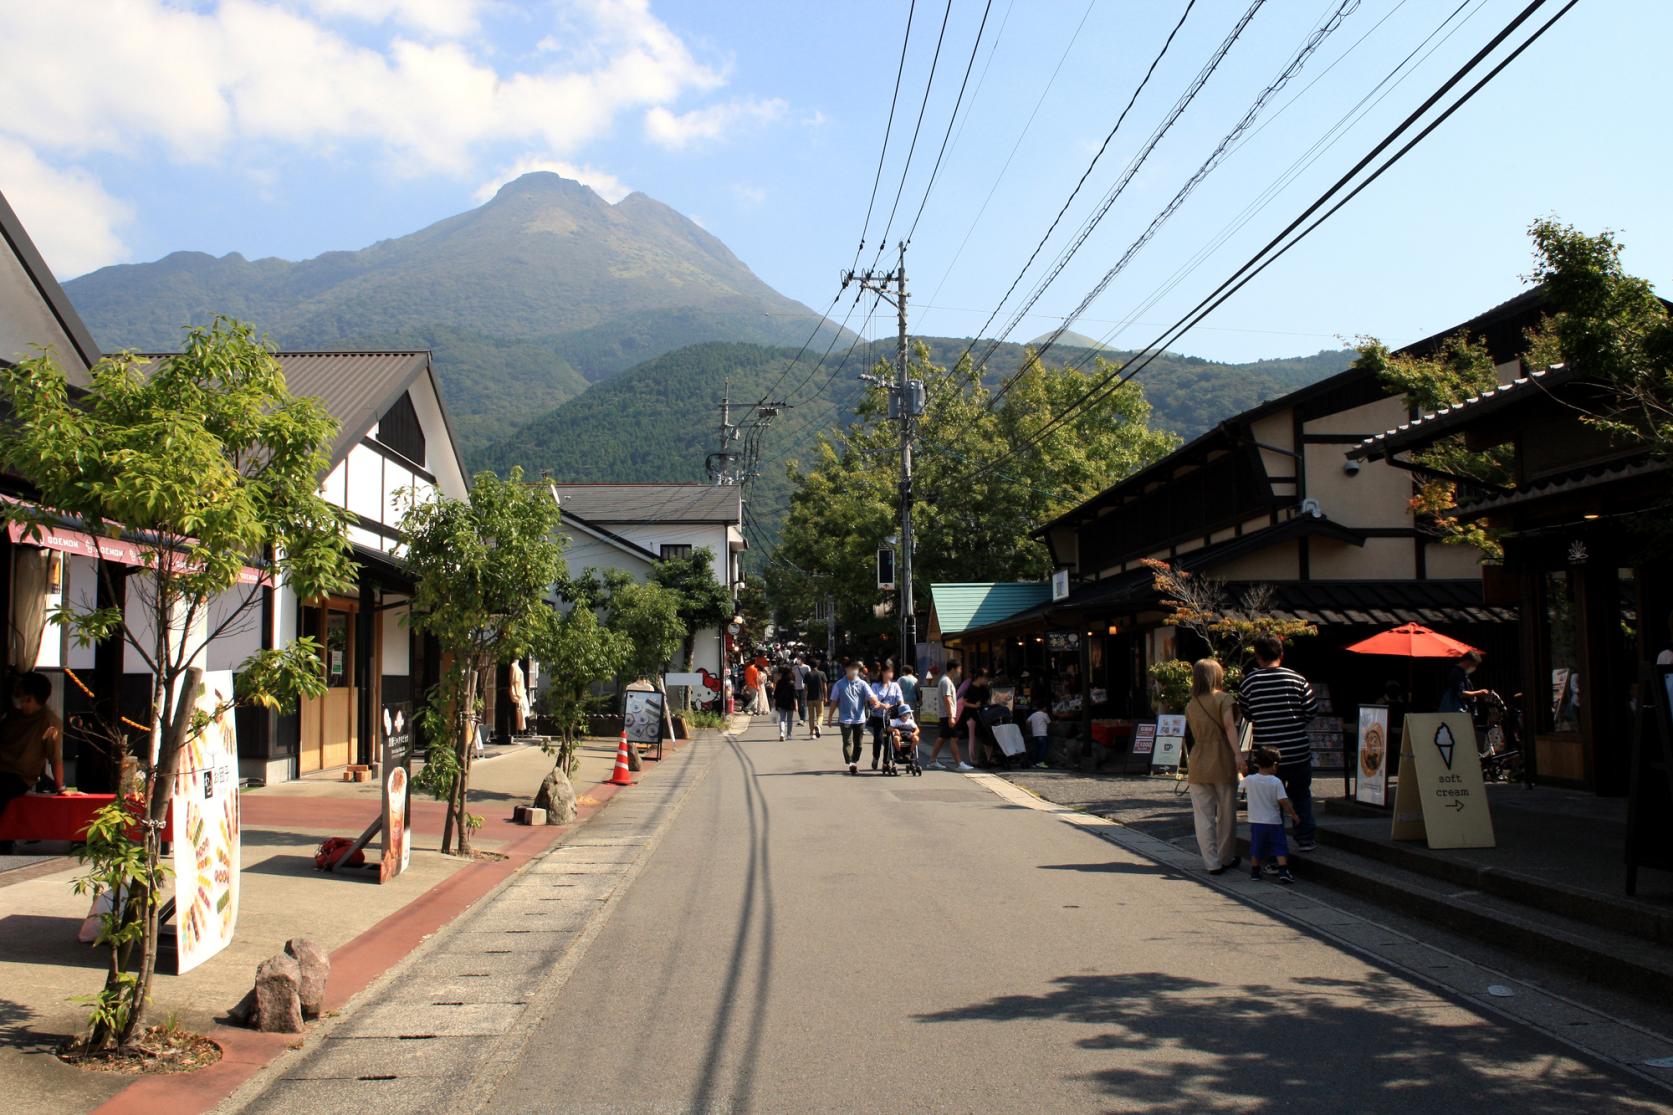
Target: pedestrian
887	692
947	695
817	686
1280	702
798	674
784	701
1211	715
908	682
976	696
1458	695
1268	805
752	687
31	741
1039	730
852	698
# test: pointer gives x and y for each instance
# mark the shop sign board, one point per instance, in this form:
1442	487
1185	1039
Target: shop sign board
1169	742
1059	584
1144	737
1440	796
644	716
1062	641
397	790
206	831
1325	741
1372	785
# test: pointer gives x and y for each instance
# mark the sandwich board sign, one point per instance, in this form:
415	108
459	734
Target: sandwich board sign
1144	738
1440	796
1170	742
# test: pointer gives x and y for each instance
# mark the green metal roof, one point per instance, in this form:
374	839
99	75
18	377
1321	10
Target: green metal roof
960	607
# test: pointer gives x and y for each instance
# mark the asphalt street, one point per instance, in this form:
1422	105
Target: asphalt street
801	940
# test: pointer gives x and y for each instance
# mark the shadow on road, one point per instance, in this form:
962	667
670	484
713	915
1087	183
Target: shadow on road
1116	869
1184	1045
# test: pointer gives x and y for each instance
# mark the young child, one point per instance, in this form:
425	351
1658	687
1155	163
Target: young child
903	729
1268	806
1039	729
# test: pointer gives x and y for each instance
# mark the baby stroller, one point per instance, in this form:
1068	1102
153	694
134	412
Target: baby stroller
902	751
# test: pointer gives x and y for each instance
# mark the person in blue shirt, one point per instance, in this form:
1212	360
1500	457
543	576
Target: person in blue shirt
853	699
888	697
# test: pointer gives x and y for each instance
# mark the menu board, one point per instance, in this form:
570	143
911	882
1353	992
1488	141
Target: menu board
1169	743
206	836
1325	737
1372	784
1144	737
397	790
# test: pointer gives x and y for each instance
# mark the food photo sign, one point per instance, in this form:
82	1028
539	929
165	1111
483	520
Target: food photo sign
397	790
206	832
1372	786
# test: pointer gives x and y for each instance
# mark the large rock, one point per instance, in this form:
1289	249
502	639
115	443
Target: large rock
557	797
278	995
316	969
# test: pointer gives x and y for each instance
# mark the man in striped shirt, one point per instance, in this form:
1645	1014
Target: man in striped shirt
1280	702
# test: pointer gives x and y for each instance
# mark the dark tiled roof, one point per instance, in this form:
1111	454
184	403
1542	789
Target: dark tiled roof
1565	483
356	388
1428	428
1384	602
652	503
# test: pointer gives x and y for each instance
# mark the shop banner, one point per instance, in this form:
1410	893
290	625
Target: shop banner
1372	787
1170	742
207	846
1440	797
1144	737
644	716
1062	642
397	790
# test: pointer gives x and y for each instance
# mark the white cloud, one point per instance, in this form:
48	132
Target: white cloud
144	72
603	183
447	18
748	194
710	123
68	214
813	119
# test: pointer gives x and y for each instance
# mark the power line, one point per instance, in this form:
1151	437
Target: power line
889	127
1390	81
951	120
1299	59
911	148
1256	264
1087	173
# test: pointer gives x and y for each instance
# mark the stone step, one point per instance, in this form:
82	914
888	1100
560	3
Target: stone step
1617	913
1604	954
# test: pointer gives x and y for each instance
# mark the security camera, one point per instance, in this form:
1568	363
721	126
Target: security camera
1351	467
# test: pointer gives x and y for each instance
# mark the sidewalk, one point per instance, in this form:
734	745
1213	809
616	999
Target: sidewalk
365	926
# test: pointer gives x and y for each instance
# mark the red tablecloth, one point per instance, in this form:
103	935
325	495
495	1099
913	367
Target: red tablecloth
52	816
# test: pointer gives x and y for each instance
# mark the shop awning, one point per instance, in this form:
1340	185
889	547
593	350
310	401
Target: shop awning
122	551
1383	603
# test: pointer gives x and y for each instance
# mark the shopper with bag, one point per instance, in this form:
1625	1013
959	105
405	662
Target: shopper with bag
1211	715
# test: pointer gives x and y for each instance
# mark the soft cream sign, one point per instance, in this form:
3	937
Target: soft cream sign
1441	797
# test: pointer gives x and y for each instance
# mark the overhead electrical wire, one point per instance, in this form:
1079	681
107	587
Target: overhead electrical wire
912	147
1297	60
1087	173
975	48
1266	256
1375	96
894	100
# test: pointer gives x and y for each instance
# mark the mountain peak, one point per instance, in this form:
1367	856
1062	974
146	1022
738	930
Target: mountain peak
544	183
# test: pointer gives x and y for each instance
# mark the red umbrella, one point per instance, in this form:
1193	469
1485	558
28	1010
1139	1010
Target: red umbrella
1412	640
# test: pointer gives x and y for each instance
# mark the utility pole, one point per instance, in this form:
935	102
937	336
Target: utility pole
906	403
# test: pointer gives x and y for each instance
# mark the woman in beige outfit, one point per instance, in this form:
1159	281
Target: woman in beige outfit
1211	715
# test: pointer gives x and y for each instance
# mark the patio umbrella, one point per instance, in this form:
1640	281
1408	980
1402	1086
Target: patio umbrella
1411	640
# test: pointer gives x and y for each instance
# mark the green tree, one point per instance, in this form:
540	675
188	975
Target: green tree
209	459
972	523
702	601
1462	367
575	651
483	567
648	617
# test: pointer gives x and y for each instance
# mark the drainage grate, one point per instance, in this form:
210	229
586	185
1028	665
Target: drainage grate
378	1076
415	1037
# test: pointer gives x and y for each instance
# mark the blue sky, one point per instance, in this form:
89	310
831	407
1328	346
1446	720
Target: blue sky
292	127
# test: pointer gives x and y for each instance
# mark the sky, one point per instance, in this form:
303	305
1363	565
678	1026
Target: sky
287	128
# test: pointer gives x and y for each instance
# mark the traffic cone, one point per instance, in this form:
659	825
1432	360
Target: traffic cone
622	776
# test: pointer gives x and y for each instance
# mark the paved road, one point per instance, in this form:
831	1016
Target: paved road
800	940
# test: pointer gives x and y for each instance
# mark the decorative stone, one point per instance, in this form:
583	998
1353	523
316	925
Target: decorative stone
315	967
278	996
557	798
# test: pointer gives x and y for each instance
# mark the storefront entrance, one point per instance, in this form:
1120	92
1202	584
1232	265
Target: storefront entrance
328	722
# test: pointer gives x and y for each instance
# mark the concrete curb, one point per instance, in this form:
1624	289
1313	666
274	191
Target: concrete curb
354	967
